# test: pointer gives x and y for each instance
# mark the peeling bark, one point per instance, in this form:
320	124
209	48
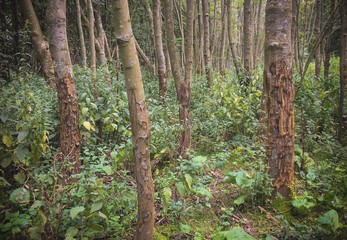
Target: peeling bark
140	123
278	95
69	137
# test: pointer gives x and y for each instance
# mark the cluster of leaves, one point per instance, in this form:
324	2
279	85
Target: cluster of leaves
201	197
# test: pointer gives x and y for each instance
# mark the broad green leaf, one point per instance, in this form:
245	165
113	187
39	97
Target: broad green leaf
36	204
21	152
75	211
166	197
242	180
188	181
20	195
84	111
96	206
236	233
202	191
199	159
181	189
21	136
107	169
20	177
7	140
6	162
35	233
240	200
167	194
330	218
185	228
102	215
71	232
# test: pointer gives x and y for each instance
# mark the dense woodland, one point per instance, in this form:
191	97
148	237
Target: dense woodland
173	119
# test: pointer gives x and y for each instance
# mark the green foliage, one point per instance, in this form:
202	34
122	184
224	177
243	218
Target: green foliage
235	233
223	184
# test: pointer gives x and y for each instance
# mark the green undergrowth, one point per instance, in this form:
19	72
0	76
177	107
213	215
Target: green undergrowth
222	192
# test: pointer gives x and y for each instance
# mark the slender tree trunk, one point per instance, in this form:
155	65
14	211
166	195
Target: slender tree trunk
201	38
159	50
318	26
146	59
247	38
278	94
40	45
184	94
69	137
327	48
257	35
223	40
207	52
81	35
182	86
140	122
231	44
171	45
343	73
91	25
100	43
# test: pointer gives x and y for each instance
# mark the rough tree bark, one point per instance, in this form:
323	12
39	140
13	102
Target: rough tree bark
140	123
343	72
81	35
278	95
40	45
207	52
247	37
159	50
69	137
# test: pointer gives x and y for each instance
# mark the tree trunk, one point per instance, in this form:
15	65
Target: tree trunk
171	45
318	33
327	48
146	59
279	95
91	24
159	50
100	43
140	123
222	48
343	73
184	94
69	137
40	45
80	32
247	31
231	44
182	86
207	52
